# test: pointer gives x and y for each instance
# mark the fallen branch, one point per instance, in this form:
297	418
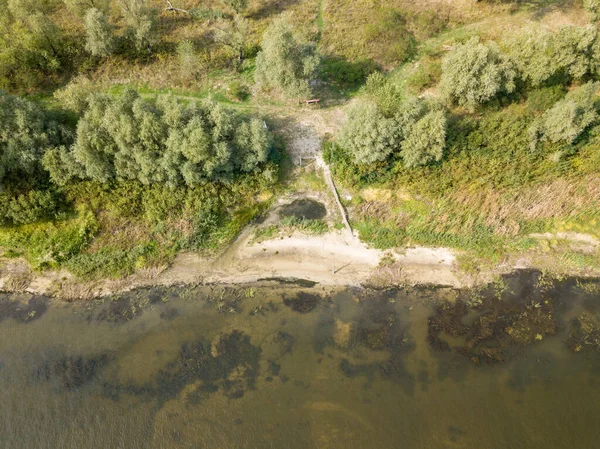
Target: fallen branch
172	8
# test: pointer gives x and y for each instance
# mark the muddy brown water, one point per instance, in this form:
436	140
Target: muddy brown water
513	365
304	208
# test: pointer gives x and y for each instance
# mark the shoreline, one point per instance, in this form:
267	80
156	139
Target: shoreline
334	259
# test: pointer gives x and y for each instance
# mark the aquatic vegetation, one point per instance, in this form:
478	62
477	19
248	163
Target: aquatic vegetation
73	371
230	363
22	310
303	302
506	319
584	333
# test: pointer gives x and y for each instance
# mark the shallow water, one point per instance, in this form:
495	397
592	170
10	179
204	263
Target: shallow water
276	367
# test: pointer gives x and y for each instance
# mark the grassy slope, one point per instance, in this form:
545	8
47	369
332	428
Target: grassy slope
490	193
459	212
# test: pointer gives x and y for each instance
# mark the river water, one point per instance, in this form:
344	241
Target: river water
513	365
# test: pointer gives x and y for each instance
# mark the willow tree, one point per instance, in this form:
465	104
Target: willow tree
568	118
99	33
474	72
285	62
140	21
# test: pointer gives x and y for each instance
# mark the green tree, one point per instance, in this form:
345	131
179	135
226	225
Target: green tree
129	138
99	33
233	34
253	144
368	136
593	7
568	118
426	140
25	134
31	45
284	62
474	72
140	20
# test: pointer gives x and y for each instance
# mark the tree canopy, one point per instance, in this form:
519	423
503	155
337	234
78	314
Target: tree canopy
25	134
129	138
475	72
284	62
99	39
568	118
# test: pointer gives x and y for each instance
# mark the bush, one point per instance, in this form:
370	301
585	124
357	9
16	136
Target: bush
568	118
474	73
388	36
284	62
33	206
343	73
426	140
368	136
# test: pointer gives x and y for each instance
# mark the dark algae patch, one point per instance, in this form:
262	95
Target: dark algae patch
22	311
499	317
230	363
302	302
73	372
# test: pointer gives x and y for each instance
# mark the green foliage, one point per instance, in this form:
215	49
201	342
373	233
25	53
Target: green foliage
538	100
81	7
304	225
99	33
233	34
31	207
74	96
32	47
384	92
239	91
284	62
568	118
50	244
140	20
368	136
542	56
474	73
426	141
343	73
593	7
25	134
128	138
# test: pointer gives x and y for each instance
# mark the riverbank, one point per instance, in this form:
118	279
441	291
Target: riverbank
336	258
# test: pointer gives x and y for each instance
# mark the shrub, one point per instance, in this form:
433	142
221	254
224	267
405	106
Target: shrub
568	118
99	39
343	73
368	136
426	140
26	132
388	35
284	62
33	206
474	73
